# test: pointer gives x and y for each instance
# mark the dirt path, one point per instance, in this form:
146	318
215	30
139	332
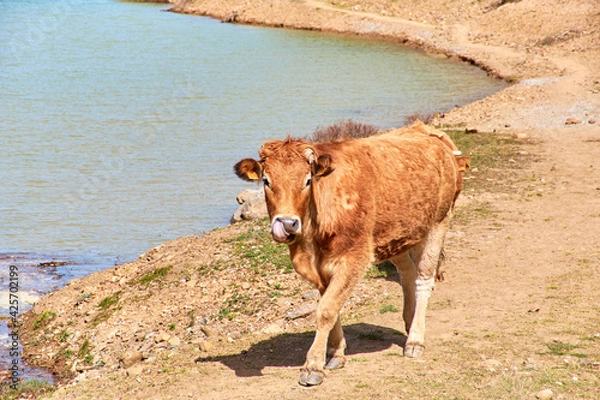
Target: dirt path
519	311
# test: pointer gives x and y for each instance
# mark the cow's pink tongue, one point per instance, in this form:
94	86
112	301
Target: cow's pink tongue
278	231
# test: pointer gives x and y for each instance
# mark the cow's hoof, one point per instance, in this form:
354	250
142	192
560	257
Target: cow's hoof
336	363
413	350
311	378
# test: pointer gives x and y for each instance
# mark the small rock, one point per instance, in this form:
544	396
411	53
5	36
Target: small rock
273	329
252	206
81	378
208	332
572	121
130	358
135	370
492	365
313	294
545	394
470	129
174	341
206	346
592	121
521	135
302	311
162	337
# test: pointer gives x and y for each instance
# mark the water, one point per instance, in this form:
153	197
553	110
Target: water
119	124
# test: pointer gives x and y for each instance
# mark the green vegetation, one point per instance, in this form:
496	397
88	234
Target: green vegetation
64	335
84	349
237	304
107	307
82	298
559	348
109	301
26	389
43	319
383	270
258	249
490	150
388	308
150	277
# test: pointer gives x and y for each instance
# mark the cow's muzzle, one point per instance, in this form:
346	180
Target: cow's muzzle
284	228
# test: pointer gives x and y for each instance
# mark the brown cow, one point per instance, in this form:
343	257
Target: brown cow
343	205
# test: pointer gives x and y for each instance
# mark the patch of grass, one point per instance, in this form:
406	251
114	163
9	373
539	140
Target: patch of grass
172	327
474	210
109	301
342	130
64	335
107	307
82	298
84	349
236	304
388	308
26	389
157	274
492	157
192	315
384	270
43	319
488	150
257	248
67	353
559	348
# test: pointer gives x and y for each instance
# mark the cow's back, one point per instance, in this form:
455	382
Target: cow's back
389	189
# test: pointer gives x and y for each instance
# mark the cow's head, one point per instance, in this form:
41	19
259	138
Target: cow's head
288	169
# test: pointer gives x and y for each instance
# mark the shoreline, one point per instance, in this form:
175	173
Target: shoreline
549	83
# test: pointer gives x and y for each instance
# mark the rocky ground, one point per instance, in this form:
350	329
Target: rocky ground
224	316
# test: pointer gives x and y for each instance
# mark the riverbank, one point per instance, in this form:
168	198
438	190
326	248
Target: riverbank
552	54
221	316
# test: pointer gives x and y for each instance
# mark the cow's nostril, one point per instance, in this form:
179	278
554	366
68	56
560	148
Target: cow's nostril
291	225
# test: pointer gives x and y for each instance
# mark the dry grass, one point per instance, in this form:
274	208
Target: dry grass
342	130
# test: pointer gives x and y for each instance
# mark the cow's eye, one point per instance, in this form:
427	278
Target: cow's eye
308	181
266	182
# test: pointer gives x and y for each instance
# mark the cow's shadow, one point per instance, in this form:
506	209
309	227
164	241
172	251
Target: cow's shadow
289	349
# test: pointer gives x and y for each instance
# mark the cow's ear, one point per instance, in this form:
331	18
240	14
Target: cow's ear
322	166
248	169
463	163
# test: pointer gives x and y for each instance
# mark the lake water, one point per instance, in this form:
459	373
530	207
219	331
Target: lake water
119	123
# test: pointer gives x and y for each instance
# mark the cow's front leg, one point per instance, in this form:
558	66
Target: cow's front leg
329	336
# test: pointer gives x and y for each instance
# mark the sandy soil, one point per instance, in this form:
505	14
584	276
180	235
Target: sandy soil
519	311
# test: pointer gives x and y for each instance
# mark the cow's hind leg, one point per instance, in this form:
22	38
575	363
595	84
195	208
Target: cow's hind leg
336	347
408	275
419	284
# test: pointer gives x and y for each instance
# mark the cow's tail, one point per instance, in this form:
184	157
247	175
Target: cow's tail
439	272
461	161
